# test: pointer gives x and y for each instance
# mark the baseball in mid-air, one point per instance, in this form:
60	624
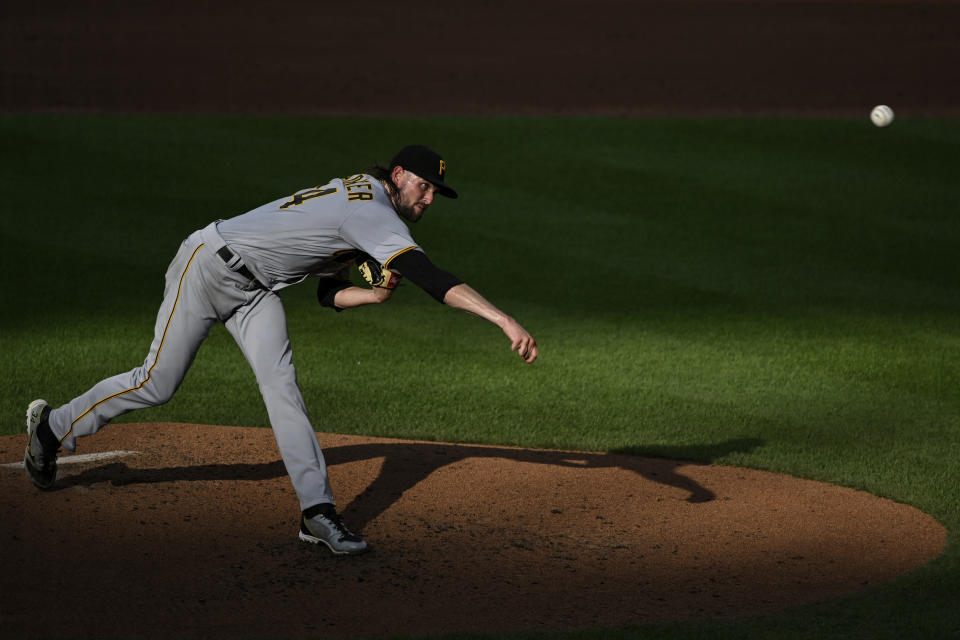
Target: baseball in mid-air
882	115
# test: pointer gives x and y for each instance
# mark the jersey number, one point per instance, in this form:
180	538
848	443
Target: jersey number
309	194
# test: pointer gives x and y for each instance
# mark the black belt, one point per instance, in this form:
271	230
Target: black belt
230	258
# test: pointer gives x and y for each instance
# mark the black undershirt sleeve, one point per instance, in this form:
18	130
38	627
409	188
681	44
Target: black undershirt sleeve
416	266
327	290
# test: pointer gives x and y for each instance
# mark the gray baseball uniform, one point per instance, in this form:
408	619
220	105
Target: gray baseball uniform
229	272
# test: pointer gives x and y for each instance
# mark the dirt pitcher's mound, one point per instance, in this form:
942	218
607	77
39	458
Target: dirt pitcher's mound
192	532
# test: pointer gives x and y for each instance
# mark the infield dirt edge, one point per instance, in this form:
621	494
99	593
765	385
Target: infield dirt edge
464	538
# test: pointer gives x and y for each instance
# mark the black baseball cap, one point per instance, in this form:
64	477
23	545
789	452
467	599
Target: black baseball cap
426	163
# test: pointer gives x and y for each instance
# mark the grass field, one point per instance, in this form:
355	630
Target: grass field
780	294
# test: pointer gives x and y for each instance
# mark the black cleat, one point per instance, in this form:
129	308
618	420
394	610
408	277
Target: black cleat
40	459
322	524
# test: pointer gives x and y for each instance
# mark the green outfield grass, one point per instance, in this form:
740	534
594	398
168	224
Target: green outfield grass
780	294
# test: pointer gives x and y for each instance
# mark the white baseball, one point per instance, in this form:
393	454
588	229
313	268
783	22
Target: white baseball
882	115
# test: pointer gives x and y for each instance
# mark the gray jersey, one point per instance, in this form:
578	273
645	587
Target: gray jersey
318	231
229	271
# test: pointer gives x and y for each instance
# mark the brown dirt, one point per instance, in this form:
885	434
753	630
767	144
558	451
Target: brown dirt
195	536
489	56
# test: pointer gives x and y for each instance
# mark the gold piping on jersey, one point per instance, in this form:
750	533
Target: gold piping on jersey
397	254
156	359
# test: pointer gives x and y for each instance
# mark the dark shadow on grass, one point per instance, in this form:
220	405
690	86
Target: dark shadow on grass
705	453
406	464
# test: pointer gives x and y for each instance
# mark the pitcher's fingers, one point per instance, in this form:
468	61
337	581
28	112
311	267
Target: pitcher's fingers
532	353
526	348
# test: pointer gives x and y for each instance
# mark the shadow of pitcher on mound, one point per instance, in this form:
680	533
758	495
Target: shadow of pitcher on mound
406	464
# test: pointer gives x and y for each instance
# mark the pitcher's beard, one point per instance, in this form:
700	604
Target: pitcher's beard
410	213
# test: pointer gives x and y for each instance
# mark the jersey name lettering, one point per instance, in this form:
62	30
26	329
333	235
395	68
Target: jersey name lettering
358	187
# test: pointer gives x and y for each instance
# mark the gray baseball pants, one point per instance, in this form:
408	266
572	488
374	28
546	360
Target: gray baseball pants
201	291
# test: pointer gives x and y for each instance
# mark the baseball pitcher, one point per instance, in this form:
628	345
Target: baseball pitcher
231	270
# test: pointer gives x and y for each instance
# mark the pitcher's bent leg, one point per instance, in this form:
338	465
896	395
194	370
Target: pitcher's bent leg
184	320
260	330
